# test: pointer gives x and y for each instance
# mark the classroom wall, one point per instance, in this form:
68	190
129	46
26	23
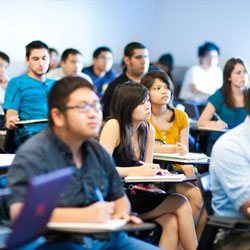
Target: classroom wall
176	26
183	25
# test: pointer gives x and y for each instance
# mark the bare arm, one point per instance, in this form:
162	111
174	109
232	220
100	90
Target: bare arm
110	135
96	212
122	210
11	118
15	210
150	144
181	147
206	116
110	139
168	149
122	206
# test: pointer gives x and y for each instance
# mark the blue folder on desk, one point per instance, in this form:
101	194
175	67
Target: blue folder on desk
42	196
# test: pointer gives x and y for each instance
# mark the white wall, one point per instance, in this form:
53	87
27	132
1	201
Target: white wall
176	26
183	25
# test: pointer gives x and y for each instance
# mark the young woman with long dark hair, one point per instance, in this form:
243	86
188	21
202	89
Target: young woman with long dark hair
130	139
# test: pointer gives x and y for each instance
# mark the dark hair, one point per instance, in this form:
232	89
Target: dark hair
126	98
226	87
35	45
167	59
68	52
99	50
129	49
53	50
5	57
248	101
148	81
207	46
60	92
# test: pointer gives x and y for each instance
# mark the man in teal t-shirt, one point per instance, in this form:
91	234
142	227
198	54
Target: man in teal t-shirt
26	96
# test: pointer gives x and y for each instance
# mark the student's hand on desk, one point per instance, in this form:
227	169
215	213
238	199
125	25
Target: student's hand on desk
127	218
10	123
181	148
220	124
148	169
101	211
163	172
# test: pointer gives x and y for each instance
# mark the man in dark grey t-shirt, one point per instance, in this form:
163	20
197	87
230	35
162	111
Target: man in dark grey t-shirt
75	117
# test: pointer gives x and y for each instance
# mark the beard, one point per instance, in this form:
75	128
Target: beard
38	73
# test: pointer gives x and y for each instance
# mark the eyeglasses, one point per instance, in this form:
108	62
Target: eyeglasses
105	58
84	107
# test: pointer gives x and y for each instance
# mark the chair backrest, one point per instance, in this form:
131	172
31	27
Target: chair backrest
191	108
204	183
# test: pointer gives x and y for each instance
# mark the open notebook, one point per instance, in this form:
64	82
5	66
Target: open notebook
110	225
188	156
156	178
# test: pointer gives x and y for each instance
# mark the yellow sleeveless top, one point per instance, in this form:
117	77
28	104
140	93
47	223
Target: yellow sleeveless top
172	135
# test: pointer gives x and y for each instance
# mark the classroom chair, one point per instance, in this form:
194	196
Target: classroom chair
214	223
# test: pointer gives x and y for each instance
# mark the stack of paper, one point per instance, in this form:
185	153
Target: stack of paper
109	225
188	156
156	178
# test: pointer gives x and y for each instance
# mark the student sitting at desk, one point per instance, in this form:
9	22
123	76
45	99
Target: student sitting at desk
26	95
130	139
75	117
171	126
227	103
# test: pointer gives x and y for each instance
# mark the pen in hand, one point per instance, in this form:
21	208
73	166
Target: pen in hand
98	195
217	116
222	123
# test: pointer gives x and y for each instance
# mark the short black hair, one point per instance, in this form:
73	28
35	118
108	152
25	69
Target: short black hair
35	45
166	59
129	49
53	50
5	57
68	52
99	50
60	92
207	46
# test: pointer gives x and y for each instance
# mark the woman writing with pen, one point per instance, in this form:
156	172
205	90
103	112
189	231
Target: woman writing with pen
228	103
130	139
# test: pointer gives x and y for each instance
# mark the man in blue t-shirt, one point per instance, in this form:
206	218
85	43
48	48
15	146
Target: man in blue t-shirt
26	96
101	72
